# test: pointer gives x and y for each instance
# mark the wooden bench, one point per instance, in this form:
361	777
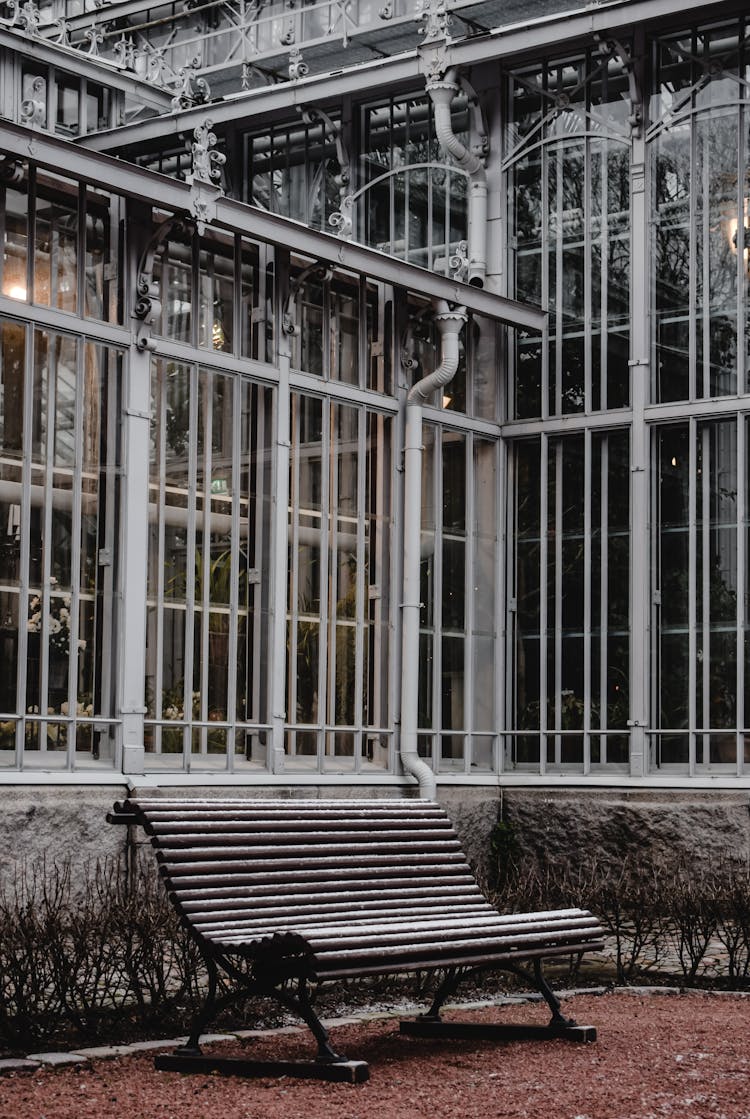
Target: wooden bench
278	894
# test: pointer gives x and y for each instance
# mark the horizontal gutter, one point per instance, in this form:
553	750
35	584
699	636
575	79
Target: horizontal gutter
175	196
553	31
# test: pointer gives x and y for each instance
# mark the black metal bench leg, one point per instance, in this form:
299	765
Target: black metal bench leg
553	1002
302	1006
192	1048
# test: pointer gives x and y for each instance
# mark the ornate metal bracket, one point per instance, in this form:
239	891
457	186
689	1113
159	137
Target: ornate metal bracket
190	90
342	219
34	104
298	68
615	49
95	39
289	315
11	170
434	19
459	262
26	16
147	307
204	178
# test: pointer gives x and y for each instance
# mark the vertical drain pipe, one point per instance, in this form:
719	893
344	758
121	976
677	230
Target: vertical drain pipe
442	91
449	323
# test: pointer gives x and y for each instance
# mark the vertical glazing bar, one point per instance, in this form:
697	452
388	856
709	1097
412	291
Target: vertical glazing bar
206	381
190	553
361	599
558	154
587	591
603	273
588	188
741	585
329	619
544	450
158	513
291	548
283	577
326	715
604	600
470	528
558	531
698	234
502	626
25	545
708	468
692	587
235	420
84	350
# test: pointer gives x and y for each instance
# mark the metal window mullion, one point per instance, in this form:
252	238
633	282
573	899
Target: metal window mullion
704	433
559	280
47	537
160	514
742	236
116	364
205	385
230	713
695	234
362	601
741	587
588	399
437	602
502	626
255	586
604	277
187	691
544	250
692	574
331	573
293	553
75	550
469	598
25	549
559	472
587	592
544	448
325	560
604	601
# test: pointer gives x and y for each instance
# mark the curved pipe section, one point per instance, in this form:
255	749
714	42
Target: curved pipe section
449	323
442	91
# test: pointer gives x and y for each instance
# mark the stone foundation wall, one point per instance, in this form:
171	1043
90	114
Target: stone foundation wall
546	824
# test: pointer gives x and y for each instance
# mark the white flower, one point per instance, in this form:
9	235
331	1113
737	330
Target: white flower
64	708
81	644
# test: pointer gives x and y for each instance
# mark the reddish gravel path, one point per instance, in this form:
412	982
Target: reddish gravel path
677	1056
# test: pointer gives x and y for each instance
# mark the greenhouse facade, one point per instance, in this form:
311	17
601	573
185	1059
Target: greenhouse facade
374	395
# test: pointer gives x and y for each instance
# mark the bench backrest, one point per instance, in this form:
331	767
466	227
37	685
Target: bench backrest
271	861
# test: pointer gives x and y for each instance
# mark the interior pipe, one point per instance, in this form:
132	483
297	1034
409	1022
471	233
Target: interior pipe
449	322
442	91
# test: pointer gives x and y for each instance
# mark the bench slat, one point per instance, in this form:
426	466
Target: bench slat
194	848
283	868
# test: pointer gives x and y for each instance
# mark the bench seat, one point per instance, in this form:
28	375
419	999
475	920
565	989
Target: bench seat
317	890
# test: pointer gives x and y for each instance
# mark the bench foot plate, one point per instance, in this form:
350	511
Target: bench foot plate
487	1031
346	1072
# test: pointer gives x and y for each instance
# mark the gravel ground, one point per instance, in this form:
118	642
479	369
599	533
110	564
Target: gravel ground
657	1055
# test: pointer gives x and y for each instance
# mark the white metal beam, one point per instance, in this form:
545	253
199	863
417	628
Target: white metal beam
175	196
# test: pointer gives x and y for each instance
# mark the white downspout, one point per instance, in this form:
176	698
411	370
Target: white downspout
442	91
449	323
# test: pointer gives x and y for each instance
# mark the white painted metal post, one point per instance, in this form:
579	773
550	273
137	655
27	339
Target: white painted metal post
134	551
640	574
279	549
